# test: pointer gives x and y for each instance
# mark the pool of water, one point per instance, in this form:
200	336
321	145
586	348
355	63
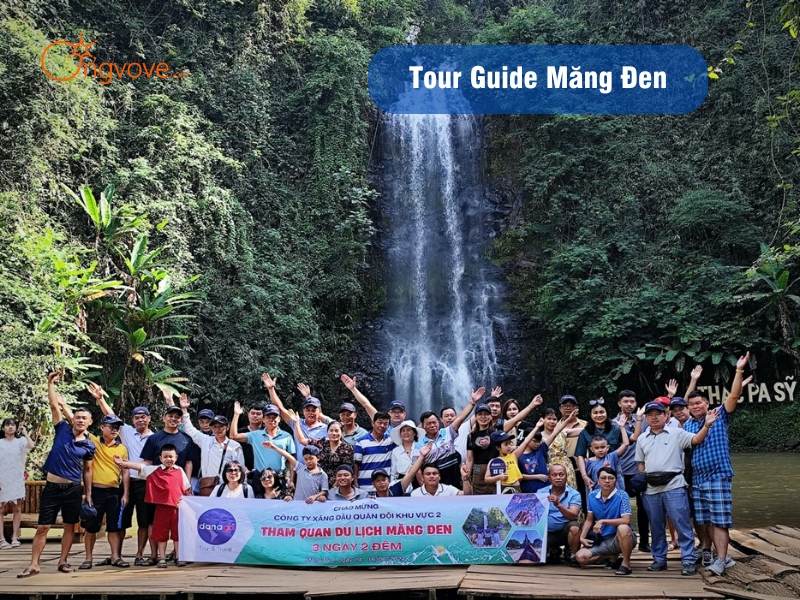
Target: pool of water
766	488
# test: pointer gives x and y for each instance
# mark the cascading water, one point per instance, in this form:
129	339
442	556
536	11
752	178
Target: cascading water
442	304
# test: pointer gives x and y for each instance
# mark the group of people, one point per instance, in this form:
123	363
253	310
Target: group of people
590	468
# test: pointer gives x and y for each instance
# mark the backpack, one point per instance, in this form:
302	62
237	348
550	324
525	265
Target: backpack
222	486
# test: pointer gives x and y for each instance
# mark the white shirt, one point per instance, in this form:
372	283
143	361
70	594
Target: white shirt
228	493
134	442
211	449
442	490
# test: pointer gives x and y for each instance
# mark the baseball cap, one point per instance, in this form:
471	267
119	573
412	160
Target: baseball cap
170	409
663	399
655	405
482	407
222	420
347	468
311	401
677	401
141	410
271	409
377	473
110	419
206	413
397	404
568	398
312	450
347	407
88	514
498	437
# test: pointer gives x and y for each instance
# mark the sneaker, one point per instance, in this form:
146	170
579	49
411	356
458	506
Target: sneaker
15	543
688	568
573	562
729	562
4	545
657	566
717	567
705	557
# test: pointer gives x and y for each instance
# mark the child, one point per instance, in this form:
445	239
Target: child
504	445
602	459
166	485
312	482
533	463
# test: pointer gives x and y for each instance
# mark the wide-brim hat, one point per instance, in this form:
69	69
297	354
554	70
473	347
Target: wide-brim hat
395	433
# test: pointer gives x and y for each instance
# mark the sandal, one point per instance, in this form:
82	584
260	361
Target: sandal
85	566
103	563
170	556
67	568
180	563
623	570
162	563
27	572
141	562
120	564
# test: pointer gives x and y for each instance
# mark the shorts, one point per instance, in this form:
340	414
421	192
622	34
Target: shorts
609	546
64	497
713	503
108	503
559	537
165	523
136	502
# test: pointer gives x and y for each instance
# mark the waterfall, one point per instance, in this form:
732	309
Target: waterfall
442	305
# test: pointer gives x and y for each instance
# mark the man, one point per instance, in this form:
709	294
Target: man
263	456
216	450
344	491
432	485
659	454
133	438
608	519
255	422
448	415
204	418
312	424
444	452
351	431
380	478
712	473
170	434
350	384
68	463
496	408
397	414
373	451
562	517
108	498
628	466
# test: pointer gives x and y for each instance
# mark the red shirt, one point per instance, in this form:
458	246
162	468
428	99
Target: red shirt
165	486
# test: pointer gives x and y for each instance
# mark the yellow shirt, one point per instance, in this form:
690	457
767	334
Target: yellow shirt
104	470
512	469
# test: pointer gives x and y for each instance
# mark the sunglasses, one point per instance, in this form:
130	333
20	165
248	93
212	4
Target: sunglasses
265	477
598	401
233	471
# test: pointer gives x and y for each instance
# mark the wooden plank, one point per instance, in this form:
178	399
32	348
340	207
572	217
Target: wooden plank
745	595
763	547
777	539
784	530
774	569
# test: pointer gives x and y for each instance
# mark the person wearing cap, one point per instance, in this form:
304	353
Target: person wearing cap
659	453
313	423
432	485
333	451
68	463
351	431
567	405
133	438
216	450
344	491
350	384
397	414
504	445
204	418
712	472
110	492
384	488
264	457
312	482
373	451
444	452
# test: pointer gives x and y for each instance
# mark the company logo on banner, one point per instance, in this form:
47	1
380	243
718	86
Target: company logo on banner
388	531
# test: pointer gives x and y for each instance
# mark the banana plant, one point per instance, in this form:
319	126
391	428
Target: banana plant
109	223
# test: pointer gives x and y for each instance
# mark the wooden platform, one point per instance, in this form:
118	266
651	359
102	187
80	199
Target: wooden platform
765	570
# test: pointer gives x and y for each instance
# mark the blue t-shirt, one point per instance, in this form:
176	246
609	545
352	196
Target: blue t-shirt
613	507
611	459
533	463
68	455
267	457
186	448
570	497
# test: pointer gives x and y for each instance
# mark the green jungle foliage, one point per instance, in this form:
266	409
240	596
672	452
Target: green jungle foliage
193	232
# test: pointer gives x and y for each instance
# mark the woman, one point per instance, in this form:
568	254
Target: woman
509	411
333	450
480	450
599	424
405	436
557	451
14	447
234	484
273	486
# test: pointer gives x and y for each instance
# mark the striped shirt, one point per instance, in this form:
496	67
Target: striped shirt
371	455
711	459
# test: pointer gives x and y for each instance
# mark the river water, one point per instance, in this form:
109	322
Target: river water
766	489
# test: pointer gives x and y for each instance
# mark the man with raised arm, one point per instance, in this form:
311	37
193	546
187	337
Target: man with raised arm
351	431
265	457
69	463
350	384
432	485
373	452
312	423
133	438
712	472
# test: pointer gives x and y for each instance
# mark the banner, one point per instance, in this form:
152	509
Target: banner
387	531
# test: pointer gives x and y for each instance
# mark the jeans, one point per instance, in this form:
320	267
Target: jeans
675	505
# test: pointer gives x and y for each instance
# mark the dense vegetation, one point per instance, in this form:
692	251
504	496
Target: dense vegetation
237	229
